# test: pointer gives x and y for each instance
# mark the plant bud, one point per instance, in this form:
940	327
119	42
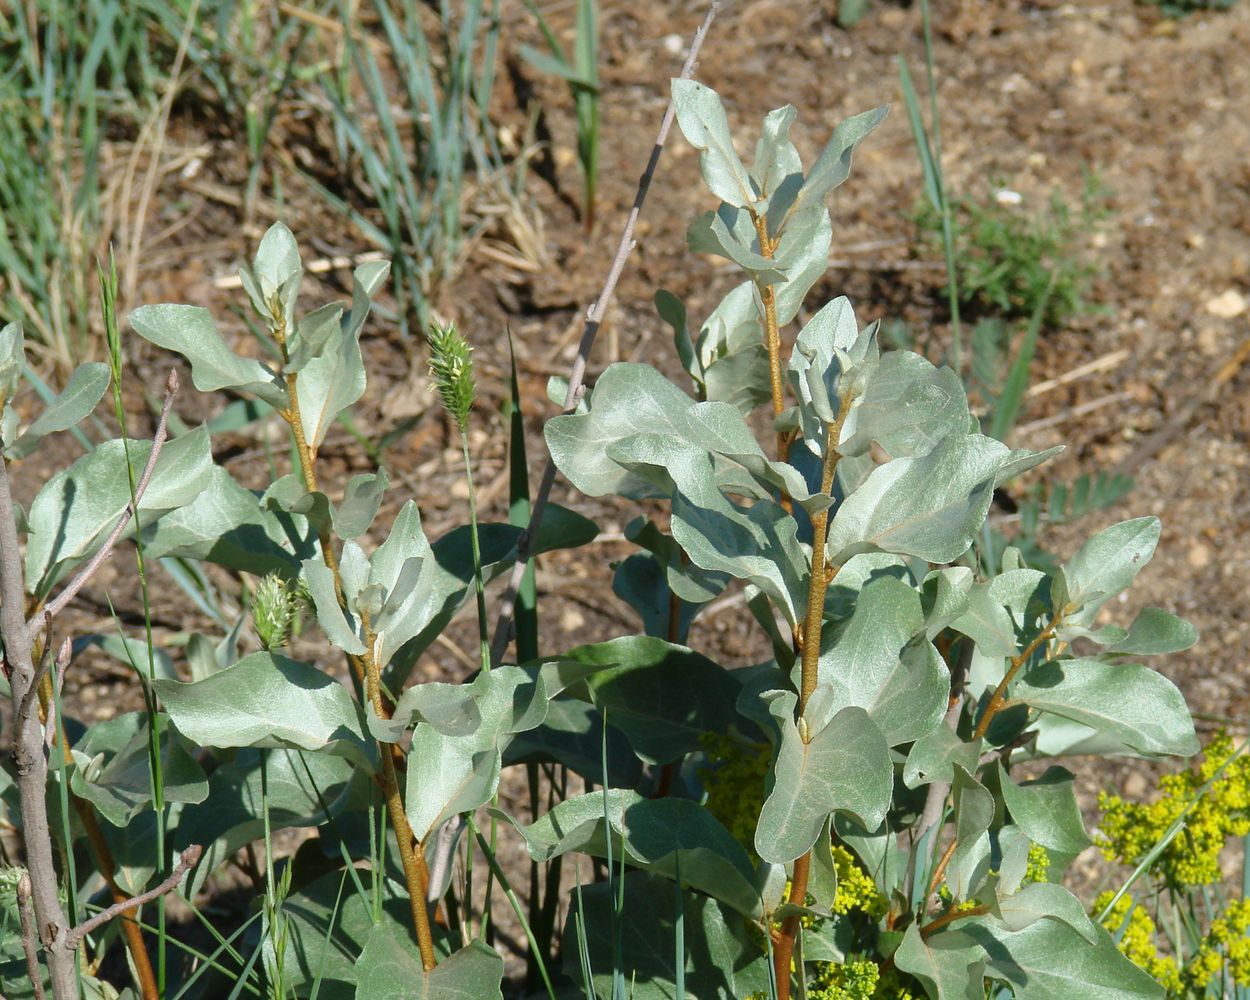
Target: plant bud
451	368
273	609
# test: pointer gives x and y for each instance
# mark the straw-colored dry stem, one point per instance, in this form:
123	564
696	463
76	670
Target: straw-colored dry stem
369	673
772	340
818	582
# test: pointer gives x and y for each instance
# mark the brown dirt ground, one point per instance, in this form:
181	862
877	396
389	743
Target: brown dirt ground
1032	93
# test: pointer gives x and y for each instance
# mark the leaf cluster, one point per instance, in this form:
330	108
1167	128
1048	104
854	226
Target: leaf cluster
904	685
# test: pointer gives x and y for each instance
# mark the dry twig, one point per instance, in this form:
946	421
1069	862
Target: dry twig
57	604
594	319
29	759
26	915
188	860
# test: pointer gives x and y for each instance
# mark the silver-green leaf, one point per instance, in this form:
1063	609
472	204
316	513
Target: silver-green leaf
1130	703
701	117
77	508
930	506
268	700
76	401
191	332
846	766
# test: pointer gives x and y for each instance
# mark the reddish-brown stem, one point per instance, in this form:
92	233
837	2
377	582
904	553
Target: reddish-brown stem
995	703
411	856
308	471
408	856
131	930
818	584
949	917
783	945
368	672
939	869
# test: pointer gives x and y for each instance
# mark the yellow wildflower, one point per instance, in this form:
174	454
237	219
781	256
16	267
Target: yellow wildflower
1229	931
1037	868
852	981
1137	934
1221	810
856	889
733	780
1204	966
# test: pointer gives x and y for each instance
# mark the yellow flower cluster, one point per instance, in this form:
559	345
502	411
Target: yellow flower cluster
856	889
1138	939
946	896
1229	934
1226	942
852	981
1131	829
1037	869
734	782
856	980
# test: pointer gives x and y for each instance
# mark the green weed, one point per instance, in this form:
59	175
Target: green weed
1009	258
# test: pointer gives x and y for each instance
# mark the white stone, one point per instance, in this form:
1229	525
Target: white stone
1227	305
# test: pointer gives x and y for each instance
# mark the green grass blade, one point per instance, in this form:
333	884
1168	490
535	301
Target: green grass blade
108	301
515	902
210	961
325	951
239	976
928	168
583	947
586	47
679	929
1009	402
519	515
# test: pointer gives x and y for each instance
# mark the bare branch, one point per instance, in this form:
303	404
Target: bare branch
62	661
188	860
26	914
594	318
935	797
29	759
58	603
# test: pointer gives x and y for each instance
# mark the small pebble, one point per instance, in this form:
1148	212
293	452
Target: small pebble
1227	305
